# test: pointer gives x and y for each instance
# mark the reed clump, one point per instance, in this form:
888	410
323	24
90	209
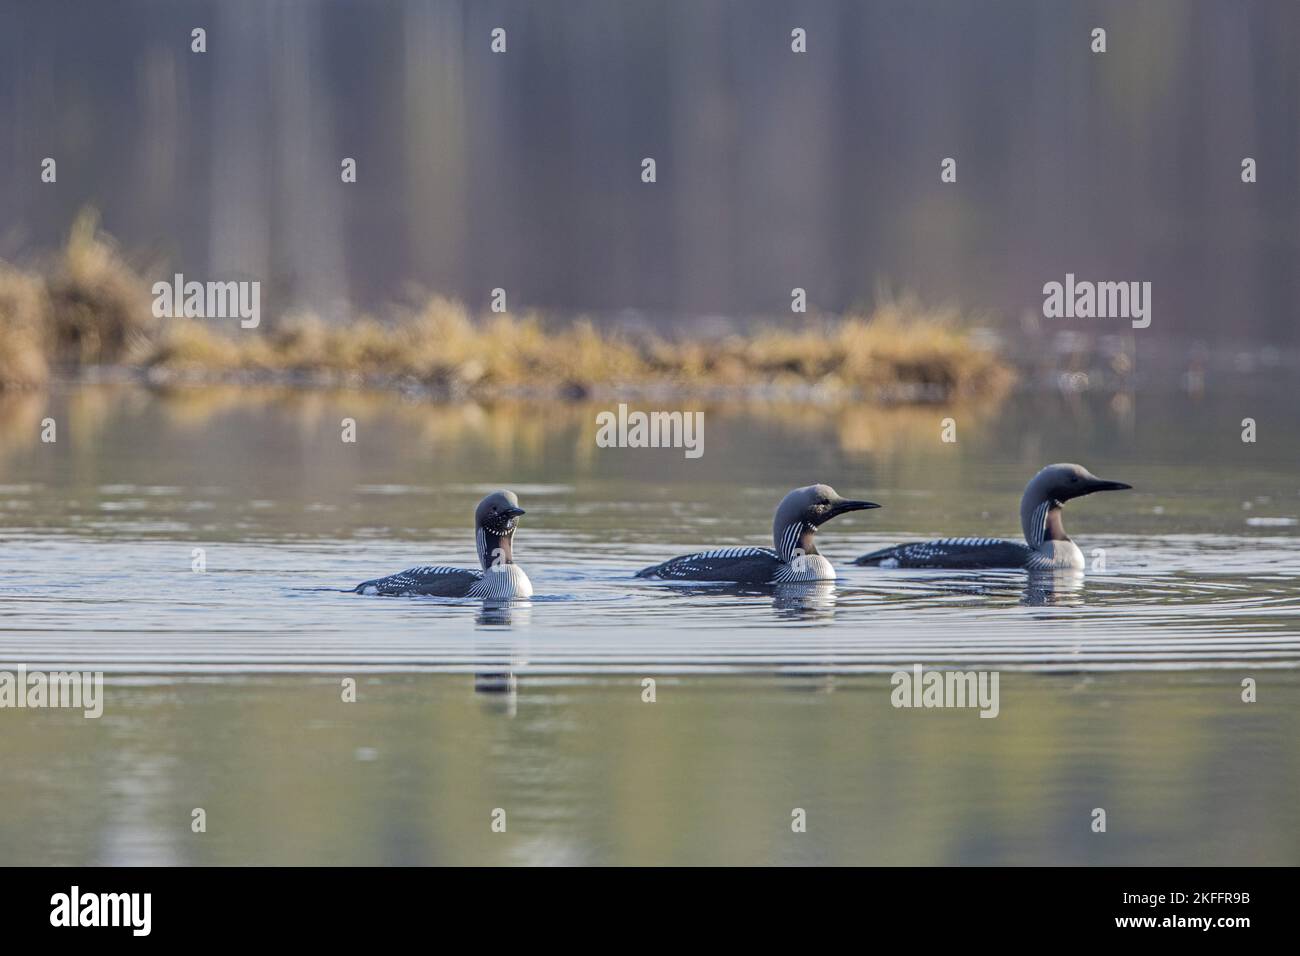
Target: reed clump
97	303
24	307
91	308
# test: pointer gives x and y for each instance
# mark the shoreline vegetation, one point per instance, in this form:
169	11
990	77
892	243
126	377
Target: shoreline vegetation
87	315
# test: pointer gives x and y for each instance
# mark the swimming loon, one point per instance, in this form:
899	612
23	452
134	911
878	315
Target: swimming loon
499	578
794	559
1047	548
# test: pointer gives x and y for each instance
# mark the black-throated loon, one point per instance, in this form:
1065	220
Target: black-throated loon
499	578
1047	546
795	558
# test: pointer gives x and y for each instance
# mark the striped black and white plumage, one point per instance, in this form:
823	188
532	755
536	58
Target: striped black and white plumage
1046	548
952	553
502	583
497	579
795	557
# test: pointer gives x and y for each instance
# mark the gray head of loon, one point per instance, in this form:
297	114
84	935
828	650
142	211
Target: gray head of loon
1047	491
802	511
494	527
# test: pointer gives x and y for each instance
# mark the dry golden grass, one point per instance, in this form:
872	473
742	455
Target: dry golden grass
23	308
97	302
899	349
93	309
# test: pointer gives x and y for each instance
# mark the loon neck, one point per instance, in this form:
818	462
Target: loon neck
1055	528
495	548
797	538
1042	521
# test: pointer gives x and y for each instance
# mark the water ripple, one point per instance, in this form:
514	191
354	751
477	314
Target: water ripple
136	606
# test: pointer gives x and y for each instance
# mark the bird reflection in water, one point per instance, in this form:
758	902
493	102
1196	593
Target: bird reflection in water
1060	588
498	683
503	613
802	600
811	601
1053	589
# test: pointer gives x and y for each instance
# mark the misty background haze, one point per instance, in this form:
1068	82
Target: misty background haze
775	169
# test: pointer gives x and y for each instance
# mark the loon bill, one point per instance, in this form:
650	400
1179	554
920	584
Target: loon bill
498	577
795	557
1047	546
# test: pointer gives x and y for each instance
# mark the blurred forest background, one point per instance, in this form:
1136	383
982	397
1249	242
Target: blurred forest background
775	169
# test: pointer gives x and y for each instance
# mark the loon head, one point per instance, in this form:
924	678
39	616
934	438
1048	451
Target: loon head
1047	491
802	511
494	526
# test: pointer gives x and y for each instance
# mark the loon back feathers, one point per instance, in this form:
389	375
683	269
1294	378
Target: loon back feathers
502	582
427	579
724	564
951	553
742	566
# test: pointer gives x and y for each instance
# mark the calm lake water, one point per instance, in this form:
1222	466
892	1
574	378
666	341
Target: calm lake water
1121	690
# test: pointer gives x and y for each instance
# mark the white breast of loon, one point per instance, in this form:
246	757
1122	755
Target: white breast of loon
805	567
1057	556
502	582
